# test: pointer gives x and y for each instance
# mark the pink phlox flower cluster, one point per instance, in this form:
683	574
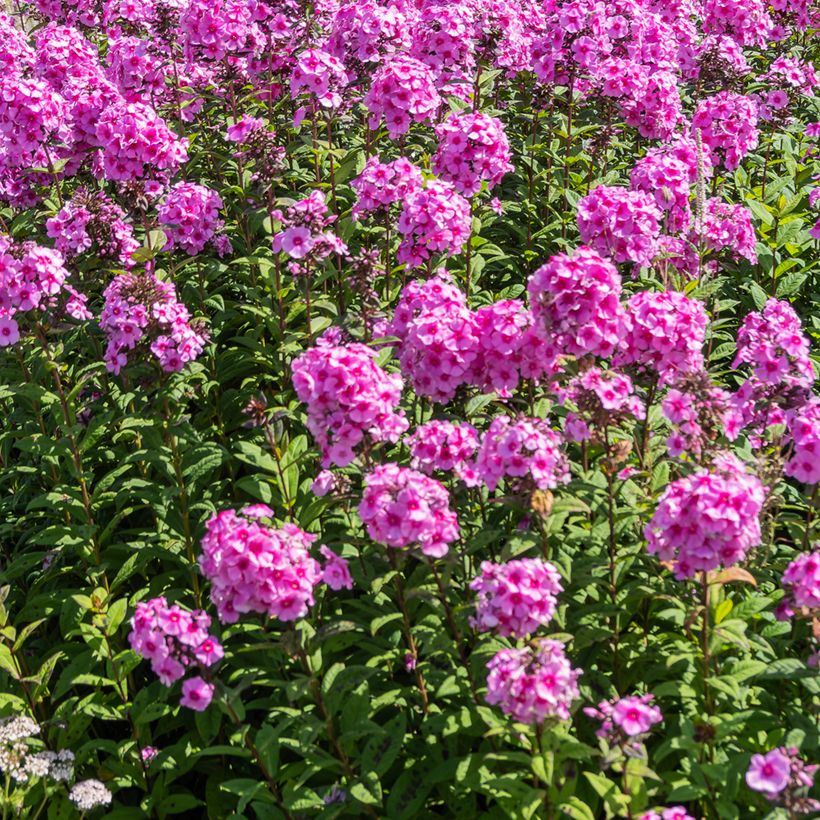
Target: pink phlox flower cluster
63	53
534	683
254	568
215	29
135	68
668	179
189	215
381	184
442	445
803	424
773	343
655	109
699	412
141	14
801	581
728	125
402	92
439	351
727	226
443	39
83	12
509	348
720	53
472	149
136	143
419	296
783	778
335	572
624	721
366	32
403	508
32	114
305	237
620	223
91	219
142	308
16	55
174	641
516	598
434	219
708	519
665	334
31	278
575	301
349	398
523	449
602	398
671	813
745	21
319	73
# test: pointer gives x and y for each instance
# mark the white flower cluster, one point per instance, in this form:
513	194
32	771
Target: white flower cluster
88	794
20	763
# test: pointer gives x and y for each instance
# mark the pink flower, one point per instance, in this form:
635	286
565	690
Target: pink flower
9	331
576	302
707	519
769	773
349	399
534	683
196	694
635	715
297	242
473	148
402	509
335	572
516	598
254	568
620	223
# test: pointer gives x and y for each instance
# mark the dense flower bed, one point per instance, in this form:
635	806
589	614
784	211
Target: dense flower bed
409	408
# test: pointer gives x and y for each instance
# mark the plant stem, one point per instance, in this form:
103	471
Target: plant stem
408	632
704	640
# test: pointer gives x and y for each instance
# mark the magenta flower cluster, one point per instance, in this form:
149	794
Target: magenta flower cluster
708	519
620	223
665	334
403	91
783	778
801	581
381	184
728	125
189	215
31	279
141	310
472	149
624	719
435	219
773	343
575	300
443	446
514	599
176	641
93	221
405	509
534	683
525	448
254	568
350	399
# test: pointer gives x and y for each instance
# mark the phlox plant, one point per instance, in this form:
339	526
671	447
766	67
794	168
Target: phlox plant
409	409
